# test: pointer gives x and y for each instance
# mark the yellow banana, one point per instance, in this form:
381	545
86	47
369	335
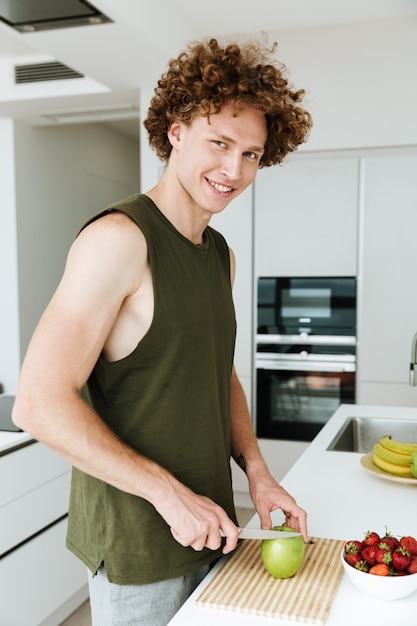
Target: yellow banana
391	468
399	447
392	457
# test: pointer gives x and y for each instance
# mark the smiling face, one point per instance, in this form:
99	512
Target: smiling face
214	160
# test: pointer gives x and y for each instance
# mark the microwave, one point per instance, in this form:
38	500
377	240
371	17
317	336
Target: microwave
306	305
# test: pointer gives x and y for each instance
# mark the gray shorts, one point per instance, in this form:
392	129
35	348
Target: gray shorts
153	604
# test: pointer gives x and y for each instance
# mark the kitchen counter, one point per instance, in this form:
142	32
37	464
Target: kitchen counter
10	441
10	438
343	501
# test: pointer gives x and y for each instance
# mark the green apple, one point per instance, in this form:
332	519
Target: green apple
413	464
282	558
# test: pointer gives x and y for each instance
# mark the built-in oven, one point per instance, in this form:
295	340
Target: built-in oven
305	353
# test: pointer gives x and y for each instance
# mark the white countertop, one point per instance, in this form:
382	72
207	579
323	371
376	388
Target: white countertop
10	441
343	501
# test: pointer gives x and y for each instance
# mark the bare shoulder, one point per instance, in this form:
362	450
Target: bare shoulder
117	245
115	225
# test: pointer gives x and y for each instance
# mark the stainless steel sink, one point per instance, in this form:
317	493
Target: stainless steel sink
359	434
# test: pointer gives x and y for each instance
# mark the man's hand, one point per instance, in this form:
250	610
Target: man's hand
268	495
196	521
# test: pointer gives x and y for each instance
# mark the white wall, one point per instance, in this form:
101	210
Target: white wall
360	81
63	175
9	326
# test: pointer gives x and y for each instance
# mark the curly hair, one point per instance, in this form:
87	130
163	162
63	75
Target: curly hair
206	76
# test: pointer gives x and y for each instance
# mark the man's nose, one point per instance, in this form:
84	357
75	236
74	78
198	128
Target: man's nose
232	165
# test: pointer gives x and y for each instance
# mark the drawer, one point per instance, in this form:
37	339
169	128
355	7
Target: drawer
42	582
26	469
24	516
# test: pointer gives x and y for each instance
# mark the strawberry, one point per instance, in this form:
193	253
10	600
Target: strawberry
383	554
371	538
410	544
381	569
412	568
368	555
353	546
392	542
400	559
353	558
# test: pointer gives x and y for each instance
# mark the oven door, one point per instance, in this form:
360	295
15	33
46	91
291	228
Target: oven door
296	394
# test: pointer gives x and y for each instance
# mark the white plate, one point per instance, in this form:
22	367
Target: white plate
369	465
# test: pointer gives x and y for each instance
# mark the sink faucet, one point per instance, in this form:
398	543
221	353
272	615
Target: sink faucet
413	363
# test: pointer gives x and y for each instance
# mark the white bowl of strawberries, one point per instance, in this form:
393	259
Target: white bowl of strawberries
383	567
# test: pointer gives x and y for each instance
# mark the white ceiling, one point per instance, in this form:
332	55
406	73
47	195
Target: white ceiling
121	58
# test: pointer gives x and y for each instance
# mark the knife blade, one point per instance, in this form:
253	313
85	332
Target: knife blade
257	533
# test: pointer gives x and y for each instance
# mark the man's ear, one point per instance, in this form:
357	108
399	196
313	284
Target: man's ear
174	132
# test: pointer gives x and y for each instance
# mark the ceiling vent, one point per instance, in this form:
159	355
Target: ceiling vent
93	114
40	72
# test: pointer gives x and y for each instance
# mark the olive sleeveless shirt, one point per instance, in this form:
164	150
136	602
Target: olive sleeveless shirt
169	400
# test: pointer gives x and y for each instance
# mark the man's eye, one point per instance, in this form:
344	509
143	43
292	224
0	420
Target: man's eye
251	155
219	143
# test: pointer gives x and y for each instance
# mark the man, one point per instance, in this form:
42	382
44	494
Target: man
130	375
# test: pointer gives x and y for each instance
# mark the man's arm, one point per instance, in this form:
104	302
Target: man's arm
105	267
266	493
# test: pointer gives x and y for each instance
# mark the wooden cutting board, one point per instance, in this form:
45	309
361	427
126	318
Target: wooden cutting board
243	585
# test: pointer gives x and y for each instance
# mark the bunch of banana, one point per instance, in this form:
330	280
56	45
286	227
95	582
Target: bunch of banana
394	456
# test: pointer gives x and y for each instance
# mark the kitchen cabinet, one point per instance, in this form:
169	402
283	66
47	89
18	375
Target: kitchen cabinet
42	582
34	488
306	217
235	224
305	224
387	315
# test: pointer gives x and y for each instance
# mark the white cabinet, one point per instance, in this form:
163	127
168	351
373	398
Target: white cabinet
387	285
34	491
235	224
42	582
306	217
351	214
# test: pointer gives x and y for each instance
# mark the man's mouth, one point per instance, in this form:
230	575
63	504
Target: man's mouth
220	188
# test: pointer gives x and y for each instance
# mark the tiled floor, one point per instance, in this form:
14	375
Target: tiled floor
82	617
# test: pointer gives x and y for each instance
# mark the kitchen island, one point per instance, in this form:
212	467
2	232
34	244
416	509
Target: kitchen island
343	501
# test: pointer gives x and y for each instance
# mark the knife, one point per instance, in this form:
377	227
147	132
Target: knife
257	533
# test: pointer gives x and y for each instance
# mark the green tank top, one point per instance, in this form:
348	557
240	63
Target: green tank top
169	400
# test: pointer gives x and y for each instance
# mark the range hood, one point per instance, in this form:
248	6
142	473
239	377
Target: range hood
27	16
